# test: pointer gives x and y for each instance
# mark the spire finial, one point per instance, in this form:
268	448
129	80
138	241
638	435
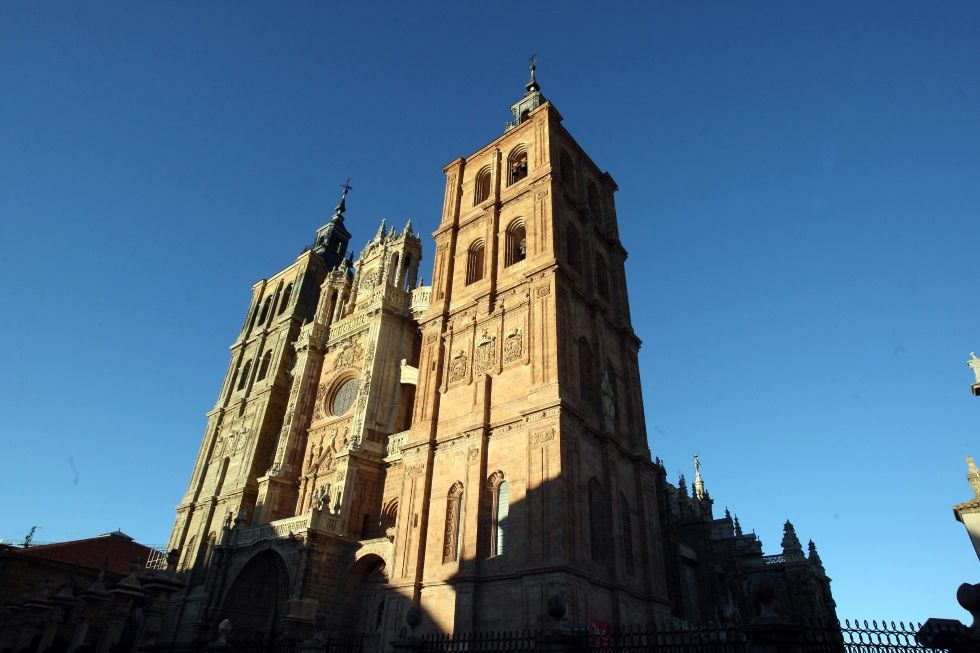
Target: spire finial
973	476
814	557
791	543
738	527
532	83
342	205
699	492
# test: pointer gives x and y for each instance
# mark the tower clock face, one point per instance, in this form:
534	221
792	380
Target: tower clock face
343	399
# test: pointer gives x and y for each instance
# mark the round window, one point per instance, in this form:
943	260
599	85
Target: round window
343	399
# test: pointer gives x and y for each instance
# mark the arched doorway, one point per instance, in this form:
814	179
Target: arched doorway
366	604
256	602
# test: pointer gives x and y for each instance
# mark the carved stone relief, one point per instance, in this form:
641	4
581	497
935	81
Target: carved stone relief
321	393
513	346
539	437
458	366
486	352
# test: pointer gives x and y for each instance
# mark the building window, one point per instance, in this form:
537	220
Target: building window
594	205
574	248
343	399
627	535
454	504
285	298
516	166
515	246
601	277
585	371
475	262
243	379
597	523
265	309
264	366
567	170
499	511
393	270
481	189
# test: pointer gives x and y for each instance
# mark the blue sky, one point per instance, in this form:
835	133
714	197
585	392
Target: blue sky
799	192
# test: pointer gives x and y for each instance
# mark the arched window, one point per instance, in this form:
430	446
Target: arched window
567	170
481	188
585	371
597	522
264	366
243	379
610	394
454	505
284	302
601	277
255	315
499	511
515	248
389	516
594	204
188	553
393	270
574	248
516	165
331	306
475	262
265	309
627	535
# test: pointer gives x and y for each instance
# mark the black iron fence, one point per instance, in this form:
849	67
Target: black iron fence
845	637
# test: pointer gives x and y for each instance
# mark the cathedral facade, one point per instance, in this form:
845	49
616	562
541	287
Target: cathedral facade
472	447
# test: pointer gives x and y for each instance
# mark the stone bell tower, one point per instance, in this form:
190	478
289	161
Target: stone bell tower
242	431
526	471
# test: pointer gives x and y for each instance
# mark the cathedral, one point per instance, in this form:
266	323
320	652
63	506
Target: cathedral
473	447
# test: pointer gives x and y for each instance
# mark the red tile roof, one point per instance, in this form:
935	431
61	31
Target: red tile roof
119	548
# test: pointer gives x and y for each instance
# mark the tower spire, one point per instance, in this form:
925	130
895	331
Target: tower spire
792	548
532	83
338	212
532	97
331	239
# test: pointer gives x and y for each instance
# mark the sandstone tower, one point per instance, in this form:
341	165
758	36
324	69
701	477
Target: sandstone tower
527	459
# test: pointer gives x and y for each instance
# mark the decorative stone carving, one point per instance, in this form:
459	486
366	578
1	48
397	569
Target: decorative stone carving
321	393
486	352
369	279
457	366
543	291
974	364
350	354
513	346
540	437
414	469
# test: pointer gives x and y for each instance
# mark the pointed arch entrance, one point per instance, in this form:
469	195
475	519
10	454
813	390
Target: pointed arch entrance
256	602
366	610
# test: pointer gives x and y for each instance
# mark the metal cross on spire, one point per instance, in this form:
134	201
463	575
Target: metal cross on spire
342	205
532	84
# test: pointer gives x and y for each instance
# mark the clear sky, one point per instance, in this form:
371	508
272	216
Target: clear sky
799	196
